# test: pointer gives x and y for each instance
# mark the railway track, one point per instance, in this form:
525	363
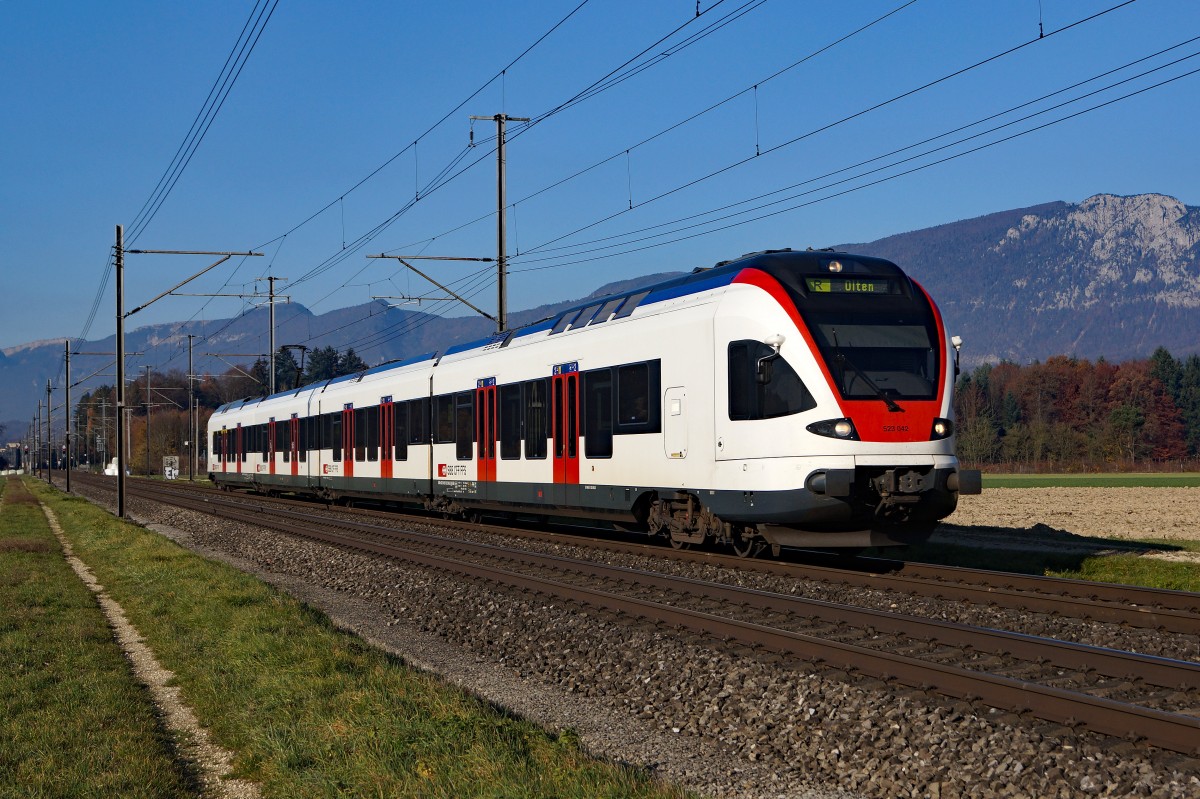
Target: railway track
1117	693
1176	612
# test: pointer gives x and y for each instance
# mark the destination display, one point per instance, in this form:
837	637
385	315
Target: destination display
848	285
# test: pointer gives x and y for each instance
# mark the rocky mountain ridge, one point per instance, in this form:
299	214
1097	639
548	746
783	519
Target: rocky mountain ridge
1111	277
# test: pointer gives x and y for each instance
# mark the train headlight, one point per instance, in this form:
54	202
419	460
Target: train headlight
942	428
835	428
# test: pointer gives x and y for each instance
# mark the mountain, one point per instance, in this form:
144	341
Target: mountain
1110	276
376	331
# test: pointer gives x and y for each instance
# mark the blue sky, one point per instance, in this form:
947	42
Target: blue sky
98	97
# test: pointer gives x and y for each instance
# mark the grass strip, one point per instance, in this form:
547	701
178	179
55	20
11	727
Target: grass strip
1141	480
1109	566
312	711
74	721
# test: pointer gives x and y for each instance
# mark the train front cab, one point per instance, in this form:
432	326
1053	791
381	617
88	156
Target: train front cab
834	405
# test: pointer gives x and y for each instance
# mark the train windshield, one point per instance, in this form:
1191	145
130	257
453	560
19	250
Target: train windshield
878	355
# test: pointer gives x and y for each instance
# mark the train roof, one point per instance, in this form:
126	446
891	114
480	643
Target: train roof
777	263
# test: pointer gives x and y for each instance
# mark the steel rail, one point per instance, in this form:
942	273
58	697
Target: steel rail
1167	730
1135	606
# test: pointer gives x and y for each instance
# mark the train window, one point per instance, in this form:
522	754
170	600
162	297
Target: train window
445	418
633	302
280	442
465	419
302	439
778	392
510	421
537	413
606	311
400	430
216	445
418	421
371	415
363	433
564	321
597	413
638	408
241	442
634	398
586	316
335	430
326	435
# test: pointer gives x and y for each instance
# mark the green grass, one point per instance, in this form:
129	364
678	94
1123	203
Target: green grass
73	719
1134	570
1143	480
1105	560
311	711
1111	561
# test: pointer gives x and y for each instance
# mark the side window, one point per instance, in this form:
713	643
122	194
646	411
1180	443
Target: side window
360	434
630	304
335	429
445	418
418	421
372	433
302	438
564	320
638	404
400	431
634	399
586	316
537	413
465	418
607	311
597	413
510	421
780	391
325	440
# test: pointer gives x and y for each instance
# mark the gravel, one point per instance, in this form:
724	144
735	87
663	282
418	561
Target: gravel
720	720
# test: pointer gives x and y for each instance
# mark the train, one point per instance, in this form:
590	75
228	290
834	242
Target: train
798	399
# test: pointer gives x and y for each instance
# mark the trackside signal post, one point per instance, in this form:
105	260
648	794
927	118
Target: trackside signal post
122	452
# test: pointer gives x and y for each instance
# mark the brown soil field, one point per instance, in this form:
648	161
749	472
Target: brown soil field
1065	518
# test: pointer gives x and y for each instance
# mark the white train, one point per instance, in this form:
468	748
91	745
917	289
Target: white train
791	399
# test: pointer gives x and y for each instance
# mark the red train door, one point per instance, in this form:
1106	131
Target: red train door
271	446
485	429
387	436
565	420
294	442
348	440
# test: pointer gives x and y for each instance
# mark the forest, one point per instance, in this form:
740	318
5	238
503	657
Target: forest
157	404
1063	415
1072	415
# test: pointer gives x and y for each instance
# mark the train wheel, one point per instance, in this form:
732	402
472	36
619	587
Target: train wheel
680	545
745	546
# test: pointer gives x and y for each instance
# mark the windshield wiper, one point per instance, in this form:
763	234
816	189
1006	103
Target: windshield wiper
843	362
